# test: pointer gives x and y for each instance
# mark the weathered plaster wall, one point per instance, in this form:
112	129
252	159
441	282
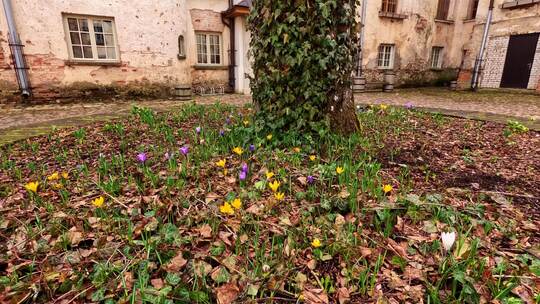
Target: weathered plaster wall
413	38
147	33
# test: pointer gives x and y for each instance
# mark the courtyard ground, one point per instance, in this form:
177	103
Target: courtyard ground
18	122
193	206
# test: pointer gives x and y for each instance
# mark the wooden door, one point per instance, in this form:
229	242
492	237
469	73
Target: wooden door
519	61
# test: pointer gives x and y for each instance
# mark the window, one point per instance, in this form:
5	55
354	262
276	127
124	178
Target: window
389	6
91	38
208	48
473	9
181	47
436	57
442	9
386	56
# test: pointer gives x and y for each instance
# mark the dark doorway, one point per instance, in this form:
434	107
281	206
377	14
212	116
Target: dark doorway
519	61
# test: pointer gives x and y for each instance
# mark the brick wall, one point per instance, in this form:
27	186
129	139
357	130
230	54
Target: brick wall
535	71
494	63
206	20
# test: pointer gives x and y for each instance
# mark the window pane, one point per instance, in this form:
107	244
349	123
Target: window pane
83	25
72	24
107	27
102	53
75	38
98	27
85	38
109	40
87	50
99	39
77	52
111	53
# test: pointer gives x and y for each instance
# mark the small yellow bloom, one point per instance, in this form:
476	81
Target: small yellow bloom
269	175
221	163
98	202
296	149
246	123
65	175
274	185
312	157
237	203
32	187
57	186
53	176
269	136
387	188
383	107
316	243
340	170
238	150
226	209
225	172
279	196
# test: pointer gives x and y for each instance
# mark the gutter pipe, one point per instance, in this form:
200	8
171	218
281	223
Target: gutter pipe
17	51
362	34
480	57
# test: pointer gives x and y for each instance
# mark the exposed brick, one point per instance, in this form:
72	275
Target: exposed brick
494	62
206	20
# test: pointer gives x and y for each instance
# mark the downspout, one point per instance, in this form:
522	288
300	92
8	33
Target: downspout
232	56
17	52
480	57
362	34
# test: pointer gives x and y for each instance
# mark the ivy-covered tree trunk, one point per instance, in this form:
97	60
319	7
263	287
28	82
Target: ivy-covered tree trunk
303	60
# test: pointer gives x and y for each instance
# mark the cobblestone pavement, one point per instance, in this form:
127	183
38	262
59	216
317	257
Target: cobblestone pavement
18	122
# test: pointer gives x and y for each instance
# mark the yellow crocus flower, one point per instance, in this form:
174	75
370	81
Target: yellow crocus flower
312	157
32	186
98	202
221	163
238	150
269	175
237	203
316	243
226	209
279	196
274	185
340	170
53	176
387	188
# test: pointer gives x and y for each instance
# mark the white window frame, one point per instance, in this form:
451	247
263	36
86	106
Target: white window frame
436	58
91	19
208	48
385	56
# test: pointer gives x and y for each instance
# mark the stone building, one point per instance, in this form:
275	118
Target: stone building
431	42
77	48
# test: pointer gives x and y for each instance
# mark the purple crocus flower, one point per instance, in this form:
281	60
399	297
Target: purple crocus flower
310	179
409	105
242	175
244	167
198	130
168	155
251	147
141	157
228	120
221	132
184	150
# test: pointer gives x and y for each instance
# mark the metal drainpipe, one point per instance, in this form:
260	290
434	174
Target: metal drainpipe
16	48
362	33
480	57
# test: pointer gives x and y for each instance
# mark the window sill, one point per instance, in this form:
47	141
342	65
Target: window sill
391	15
210	67
436	69
94	63
469	20
385	69
518	3
444	21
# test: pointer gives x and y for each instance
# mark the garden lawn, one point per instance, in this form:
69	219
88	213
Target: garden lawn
183	208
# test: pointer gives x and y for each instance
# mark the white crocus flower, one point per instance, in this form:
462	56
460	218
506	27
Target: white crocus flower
448	239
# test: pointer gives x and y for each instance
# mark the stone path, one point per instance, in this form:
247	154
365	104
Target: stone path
18	122
494	105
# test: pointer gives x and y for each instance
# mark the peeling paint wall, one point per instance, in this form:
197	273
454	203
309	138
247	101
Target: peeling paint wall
147	35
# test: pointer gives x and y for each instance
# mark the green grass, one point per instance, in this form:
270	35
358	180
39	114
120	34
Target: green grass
162	236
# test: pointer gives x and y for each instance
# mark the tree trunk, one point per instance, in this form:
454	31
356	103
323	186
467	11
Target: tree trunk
343	117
